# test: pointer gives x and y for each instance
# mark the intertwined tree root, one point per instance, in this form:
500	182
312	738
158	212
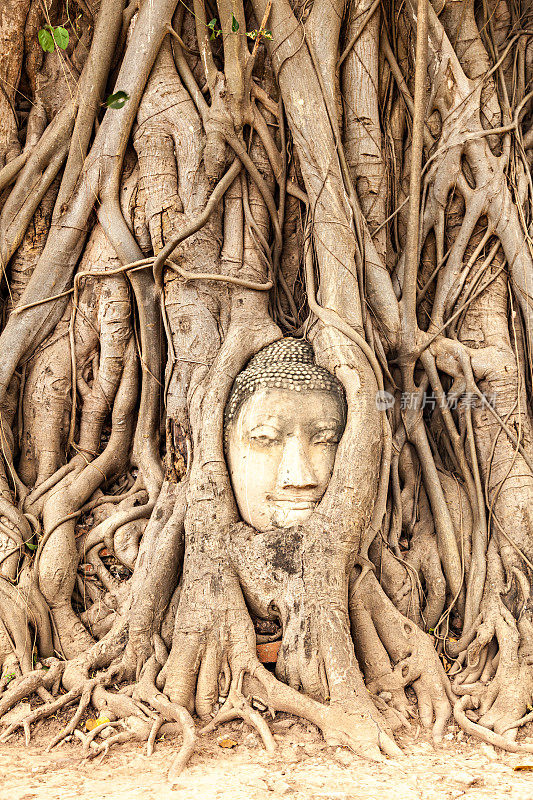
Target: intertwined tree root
354	172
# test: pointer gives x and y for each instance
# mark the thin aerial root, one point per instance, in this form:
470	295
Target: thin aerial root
156	727
486	735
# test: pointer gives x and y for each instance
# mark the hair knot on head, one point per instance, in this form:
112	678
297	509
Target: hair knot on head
286	364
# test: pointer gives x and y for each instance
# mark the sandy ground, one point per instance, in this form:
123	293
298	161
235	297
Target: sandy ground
303	767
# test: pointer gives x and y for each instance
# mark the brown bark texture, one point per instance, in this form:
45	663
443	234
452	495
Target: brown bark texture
354	172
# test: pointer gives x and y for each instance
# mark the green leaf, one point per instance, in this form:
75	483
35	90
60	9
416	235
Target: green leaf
61	37
267	34
251	34
234	24
117	100
46	41
211	26
31	546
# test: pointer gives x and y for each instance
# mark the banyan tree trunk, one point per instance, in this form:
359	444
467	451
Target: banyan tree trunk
181	185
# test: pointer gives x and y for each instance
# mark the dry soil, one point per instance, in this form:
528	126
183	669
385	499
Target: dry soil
303	767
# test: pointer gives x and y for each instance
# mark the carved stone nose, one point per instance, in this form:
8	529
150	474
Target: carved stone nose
295	468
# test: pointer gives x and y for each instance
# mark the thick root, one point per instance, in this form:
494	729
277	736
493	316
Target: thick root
405	654
490	737
23	687
237	706
42	712
146	691
200	662
504	699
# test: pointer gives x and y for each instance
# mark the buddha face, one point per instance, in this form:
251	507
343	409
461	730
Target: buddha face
281	449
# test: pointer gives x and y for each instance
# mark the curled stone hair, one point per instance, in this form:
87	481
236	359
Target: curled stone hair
286	364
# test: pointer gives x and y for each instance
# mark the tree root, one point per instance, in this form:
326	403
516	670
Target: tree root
85	698
482	733
146	690
237	706
397	653
182	716
140	722
24	686
89	739
156	727
230	221
39	713
351	719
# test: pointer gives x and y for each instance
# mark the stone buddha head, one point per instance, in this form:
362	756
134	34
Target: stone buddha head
282	424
